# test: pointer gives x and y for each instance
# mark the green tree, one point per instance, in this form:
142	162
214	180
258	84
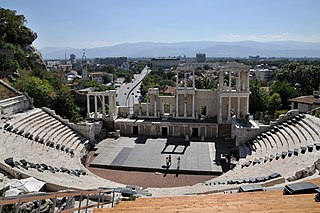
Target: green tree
47	89
39	89
274	103
15	37
87	84
13	29
110	69
64	105
285	90
97	86
306	74
257	99
127	78
106	79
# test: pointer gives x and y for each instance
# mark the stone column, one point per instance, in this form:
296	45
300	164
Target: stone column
221	80
247	81
172	130
185	106
238	110
177	79
193	80
104	107
88	105
238	82
220	109
229	81
217	132
177	104
147	105
155	109
247	109
111	105
115	111
193	104
229	109
205	131
95	107
177	95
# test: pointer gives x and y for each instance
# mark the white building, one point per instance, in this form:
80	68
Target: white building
306	103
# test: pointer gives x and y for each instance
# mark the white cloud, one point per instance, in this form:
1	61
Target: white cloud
234	37
275	37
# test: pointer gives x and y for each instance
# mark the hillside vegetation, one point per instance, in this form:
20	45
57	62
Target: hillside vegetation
24	66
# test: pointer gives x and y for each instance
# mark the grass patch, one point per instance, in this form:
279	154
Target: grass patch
5	92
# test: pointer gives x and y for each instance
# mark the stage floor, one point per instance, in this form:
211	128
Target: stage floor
148	154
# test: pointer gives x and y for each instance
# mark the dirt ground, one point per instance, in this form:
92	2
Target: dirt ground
148	179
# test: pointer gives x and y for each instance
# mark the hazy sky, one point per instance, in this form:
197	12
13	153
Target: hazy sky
93	23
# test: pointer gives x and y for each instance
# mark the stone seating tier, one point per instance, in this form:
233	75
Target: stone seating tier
43	128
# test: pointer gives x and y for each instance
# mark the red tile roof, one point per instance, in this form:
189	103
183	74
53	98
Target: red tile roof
169	90
310	99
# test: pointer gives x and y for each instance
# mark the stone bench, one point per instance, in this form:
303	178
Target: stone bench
23	115
315	131
33	122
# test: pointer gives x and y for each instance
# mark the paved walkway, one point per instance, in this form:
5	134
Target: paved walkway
150	154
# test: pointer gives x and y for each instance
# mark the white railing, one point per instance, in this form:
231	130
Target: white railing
99	195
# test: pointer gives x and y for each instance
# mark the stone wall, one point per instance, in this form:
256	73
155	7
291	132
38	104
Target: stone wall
168	128
14	105
123	111
284	117
243	134
207	98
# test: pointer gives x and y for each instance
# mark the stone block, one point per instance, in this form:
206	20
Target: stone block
9	161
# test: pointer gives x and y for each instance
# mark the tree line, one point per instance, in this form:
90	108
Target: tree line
46	88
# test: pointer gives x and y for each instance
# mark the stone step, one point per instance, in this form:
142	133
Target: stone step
23	115
242	151
290	133
310	130
313	126
33	124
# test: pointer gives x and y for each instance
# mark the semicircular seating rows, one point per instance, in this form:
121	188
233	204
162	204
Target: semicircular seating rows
285	149
41	145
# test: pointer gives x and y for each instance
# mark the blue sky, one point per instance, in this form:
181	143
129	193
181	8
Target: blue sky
94	23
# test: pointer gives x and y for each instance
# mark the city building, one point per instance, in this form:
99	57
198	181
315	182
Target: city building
261	74
63	66
165	62
201	57
120	62
117	61
100	76
306	103
73	59
73	74
84	66
201	65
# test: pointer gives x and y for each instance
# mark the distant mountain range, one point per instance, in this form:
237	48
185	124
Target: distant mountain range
210	48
